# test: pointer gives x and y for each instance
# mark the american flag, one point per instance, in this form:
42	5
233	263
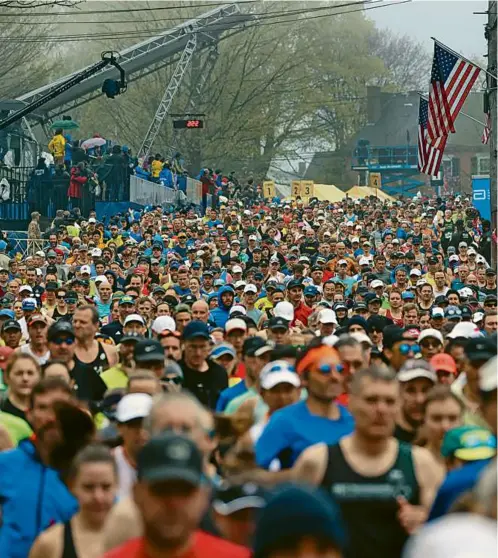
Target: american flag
429	157
487	129
452	79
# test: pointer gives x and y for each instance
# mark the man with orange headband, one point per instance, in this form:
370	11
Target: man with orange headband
383	486
318	419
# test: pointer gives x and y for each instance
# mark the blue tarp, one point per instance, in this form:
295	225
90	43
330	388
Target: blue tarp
106	210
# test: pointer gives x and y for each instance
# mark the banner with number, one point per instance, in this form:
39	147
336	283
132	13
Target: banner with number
295	188
307	188
269	189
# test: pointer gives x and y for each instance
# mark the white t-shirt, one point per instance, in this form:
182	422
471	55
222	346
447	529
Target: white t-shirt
127	475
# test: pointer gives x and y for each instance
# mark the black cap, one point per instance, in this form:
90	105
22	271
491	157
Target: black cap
230	498
360	306
481	348
432	260
392	335
148	350
466	312
295	283
188	299
252	344
51	286
440	299
170	457
278	323
61	327
11	324
490	272
133	336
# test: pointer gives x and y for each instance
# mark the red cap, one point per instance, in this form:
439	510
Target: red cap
444	362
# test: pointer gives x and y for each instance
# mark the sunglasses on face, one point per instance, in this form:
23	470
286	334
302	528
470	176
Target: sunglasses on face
326	369
60	297
70	300
405	348
60	340
430	343
176	380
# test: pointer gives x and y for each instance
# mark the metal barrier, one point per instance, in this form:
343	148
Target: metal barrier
194	191
144	192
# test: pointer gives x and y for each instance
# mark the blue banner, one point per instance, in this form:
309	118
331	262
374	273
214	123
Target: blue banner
481	196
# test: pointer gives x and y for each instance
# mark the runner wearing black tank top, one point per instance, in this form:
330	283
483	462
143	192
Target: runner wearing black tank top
93	483
384	487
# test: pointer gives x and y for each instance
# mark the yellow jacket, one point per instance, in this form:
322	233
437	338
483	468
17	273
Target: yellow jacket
57	146
156	167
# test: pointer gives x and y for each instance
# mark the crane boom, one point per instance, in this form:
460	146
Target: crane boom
107	58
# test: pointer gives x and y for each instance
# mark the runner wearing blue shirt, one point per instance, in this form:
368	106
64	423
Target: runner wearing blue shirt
318	419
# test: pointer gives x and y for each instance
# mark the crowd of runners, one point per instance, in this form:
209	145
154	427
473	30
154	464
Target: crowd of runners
272	379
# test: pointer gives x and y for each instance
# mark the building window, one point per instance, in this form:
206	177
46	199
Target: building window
483	165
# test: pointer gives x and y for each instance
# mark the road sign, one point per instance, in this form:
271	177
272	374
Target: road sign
269	189
307	188
375	180
296	188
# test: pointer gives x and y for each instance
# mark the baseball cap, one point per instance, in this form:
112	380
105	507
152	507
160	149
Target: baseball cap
376	283
235	324
278	323
413	369
236	269
134	318
430	332
444	362
278	372
148	350
126	299
133	406
250	288
362	261
437	313
37	318
61	327
488	376
170	457
327	317
132	336
480	348
407	295
9	314
294	283
221	350
310	290
11	324
85	269
284	310
25	288
230	498
416	272
162	323
465	329
196	329
453	313
469	443
256	346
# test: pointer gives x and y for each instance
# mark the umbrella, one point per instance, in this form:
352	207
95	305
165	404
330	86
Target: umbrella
93	142
65	125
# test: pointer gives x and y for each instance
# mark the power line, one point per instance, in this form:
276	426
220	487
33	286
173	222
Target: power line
147	34
123	10
268	14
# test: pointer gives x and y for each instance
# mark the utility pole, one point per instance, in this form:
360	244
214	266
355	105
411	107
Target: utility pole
490	34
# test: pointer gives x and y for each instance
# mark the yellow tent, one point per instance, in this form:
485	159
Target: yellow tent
364	191
328	192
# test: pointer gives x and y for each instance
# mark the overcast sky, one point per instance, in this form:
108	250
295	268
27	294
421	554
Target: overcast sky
450	21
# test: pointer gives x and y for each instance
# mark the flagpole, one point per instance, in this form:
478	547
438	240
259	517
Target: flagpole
463	57
461	112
